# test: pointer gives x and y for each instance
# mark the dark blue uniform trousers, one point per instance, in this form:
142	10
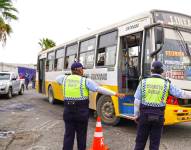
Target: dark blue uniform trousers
76	122
149	128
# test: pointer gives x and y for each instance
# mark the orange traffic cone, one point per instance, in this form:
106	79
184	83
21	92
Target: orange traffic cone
98	143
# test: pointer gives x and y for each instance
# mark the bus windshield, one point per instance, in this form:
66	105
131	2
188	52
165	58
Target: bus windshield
175	54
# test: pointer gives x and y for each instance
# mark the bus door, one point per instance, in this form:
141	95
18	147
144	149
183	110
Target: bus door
41	75
129	72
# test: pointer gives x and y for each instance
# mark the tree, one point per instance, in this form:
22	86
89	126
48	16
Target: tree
46	43
5	29
6	15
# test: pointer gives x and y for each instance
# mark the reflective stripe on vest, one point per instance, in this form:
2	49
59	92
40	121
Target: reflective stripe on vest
74	87
155	92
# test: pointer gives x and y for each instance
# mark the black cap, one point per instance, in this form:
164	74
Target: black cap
76	65
157	65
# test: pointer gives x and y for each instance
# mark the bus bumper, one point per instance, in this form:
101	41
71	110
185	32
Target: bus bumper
176	114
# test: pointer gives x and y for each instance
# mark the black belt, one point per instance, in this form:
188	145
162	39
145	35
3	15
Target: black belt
74	103
152	110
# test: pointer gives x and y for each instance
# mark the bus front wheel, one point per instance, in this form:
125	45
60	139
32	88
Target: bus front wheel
105	109
51	95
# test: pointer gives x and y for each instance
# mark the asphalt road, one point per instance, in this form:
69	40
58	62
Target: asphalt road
29	122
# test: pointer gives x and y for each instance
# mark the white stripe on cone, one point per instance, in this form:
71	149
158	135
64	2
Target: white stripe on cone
98	124
98	134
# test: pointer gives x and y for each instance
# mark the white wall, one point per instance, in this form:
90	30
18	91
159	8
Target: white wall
14	67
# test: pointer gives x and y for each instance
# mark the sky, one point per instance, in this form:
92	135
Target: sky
63	20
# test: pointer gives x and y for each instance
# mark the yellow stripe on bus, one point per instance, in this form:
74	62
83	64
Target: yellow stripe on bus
58	93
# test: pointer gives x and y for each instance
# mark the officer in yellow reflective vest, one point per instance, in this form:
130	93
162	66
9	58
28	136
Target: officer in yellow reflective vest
76	105
149	106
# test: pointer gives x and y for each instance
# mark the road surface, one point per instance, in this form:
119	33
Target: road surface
29	122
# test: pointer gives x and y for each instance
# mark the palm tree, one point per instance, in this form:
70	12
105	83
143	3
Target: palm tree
6	15
46	43
5	29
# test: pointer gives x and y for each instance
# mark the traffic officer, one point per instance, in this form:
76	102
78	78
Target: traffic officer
149	106
76	105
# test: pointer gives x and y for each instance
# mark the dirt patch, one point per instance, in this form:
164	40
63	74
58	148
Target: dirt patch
39	148
21	140
16	107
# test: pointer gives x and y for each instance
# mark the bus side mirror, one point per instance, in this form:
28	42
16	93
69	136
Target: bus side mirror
159	35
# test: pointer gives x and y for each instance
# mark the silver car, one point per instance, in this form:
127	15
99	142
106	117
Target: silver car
10	84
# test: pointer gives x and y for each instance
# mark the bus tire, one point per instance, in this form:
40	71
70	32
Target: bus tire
105	109
51	95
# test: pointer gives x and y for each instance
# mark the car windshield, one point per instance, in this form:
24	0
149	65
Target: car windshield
4	76
175	54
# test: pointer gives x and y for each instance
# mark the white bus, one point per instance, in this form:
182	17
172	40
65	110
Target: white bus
118	56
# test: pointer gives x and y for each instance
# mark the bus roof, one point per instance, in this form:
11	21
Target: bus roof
101	30
111	27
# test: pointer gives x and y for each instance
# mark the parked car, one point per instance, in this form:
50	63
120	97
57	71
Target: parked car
11	84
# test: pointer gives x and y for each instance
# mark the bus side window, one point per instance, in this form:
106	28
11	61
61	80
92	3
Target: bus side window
59	61
50	61
106	52
71	56
87	50
71	60
101	57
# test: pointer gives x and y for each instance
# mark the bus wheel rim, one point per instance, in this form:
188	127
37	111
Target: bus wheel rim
107	110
